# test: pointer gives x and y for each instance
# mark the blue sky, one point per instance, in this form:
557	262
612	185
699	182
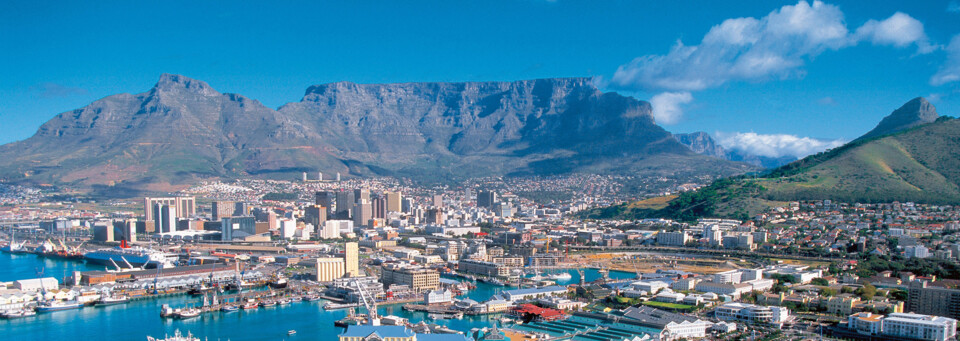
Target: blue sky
830	76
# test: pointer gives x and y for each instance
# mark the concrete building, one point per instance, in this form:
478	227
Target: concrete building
486	199
288	228
183	207
165	218
673	238
417	278
221	209
483	268
933	298
362	212
921	327
329	269
351	259
752	313
315	215
345	202
394	201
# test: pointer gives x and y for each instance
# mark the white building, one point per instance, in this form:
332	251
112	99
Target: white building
438	297
729	277
923	327
287	227
752	313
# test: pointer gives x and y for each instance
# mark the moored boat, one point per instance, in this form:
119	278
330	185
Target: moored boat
52	306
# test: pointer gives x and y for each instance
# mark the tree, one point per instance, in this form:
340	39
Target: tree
867	292
820	281
828	292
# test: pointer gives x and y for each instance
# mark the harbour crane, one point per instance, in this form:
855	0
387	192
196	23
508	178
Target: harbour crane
370	304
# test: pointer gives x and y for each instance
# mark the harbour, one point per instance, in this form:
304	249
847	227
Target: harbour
135	319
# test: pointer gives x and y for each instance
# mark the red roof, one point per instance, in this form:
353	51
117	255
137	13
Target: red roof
535	310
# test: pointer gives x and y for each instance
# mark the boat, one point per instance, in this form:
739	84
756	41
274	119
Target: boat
188	313
109	300
14	247
18	313
291	332
176	337
334	306
251	304
200	289
494	281
167	311
268	303
283	301
562	276
51	306
311	298
229	308
296	299
278	282
132	257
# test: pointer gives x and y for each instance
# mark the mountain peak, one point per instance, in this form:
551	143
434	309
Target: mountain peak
178	83
913	113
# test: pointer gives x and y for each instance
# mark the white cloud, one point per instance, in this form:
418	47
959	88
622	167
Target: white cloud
950	70
775	46
666	106
776	145
953	7
899	30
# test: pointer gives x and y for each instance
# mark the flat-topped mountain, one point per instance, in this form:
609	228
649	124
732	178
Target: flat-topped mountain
182	130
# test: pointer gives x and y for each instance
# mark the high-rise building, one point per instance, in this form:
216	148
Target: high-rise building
329	269
380	207
437	201
316	215
183	207
351	259
103	232
241	209
221	209
362	213
394	201
231	225
125	230
165	218
407	205
486	199
933	298
361	194
328	231
326	199
345	201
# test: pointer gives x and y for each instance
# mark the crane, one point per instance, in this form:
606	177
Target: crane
370	304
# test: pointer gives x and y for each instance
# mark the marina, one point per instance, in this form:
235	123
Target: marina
139	317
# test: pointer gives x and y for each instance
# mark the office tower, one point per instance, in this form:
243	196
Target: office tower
434	216
231	225
345	200
288	227
486	199
351	259
183	207
221	209
103	232
319	176
316	215
304	176
125	230
406	205
362	213
241	209
380	207
338	176
437	201
165	218
394	201
361	195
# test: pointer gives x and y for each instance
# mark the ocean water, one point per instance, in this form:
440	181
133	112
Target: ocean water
138	319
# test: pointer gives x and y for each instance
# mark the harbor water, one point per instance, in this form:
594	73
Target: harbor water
137	319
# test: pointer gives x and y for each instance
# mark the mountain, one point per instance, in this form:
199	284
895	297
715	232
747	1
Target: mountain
702	143
915	112
919	164
183	130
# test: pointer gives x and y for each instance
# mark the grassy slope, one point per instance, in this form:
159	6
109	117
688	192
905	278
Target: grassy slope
921	164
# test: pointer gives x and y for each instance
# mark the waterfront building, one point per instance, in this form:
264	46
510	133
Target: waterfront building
533	293
417	278
438	297
329	269
673	238
752	313
351	259
477	267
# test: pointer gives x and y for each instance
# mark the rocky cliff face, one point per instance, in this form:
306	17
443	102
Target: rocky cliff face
913	113
183	129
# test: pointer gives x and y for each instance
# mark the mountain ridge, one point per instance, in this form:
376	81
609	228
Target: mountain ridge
183	129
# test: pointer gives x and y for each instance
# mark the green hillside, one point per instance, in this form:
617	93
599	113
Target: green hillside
921	164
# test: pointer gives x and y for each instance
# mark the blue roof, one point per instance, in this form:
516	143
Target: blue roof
382	331
534	290
443	337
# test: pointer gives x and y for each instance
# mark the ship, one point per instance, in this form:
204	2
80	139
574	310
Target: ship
132	257
51	306
176	337
109	300
564	276
14	247
15	314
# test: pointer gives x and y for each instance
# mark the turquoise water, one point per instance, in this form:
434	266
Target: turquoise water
23	266
136	320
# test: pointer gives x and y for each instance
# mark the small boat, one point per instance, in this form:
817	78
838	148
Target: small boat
18	313
189	313
228	308
268	303
296	299
48	307
311	298
251	304
563	276
112	301
283	301
334	306
291	332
